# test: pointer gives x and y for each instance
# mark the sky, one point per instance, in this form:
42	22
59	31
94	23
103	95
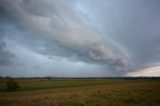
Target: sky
79	38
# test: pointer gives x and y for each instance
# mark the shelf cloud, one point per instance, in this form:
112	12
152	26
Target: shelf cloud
116	37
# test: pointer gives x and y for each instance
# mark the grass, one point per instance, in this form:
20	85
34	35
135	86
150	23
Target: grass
82	93
38	84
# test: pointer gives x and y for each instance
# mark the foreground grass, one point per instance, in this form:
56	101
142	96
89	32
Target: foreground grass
84	93
39	84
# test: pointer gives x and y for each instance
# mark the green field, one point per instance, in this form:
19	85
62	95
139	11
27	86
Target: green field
82	92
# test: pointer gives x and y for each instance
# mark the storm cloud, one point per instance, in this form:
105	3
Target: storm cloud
61	24
5	56
115	37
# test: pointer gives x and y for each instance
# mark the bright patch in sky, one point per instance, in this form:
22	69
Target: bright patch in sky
152	71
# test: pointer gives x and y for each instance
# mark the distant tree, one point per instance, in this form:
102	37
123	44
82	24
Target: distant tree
48	77
12	85
8	77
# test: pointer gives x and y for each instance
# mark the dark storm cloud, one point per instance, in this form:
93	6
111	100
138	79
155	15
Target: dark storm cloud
134	24
4	17
5	56
60	23
107	37
140	30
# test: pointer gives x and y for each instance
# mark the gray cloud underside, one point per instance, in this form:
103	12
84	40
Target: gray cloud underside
5	56
132	23
63	25
107	37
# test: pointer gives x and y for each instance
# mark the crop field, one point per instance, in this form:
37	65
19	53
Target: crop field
81	92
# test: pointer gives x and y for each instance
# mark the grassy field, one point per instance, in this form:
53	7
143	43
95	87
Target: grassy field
79	92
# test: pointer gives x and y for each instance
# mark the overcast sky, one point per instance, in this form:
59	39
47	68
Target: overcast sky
79	38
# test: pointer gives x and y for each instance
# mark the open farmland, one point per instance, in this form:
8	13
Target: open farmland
82	92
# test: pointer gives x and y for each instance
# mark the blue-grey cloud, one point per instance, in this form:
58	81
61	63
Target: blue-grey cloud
5	55
61	24
133	24
115	37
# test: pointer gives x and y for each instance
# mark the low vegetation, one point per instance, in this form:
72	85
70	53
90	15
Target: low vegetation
12	85
82	92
